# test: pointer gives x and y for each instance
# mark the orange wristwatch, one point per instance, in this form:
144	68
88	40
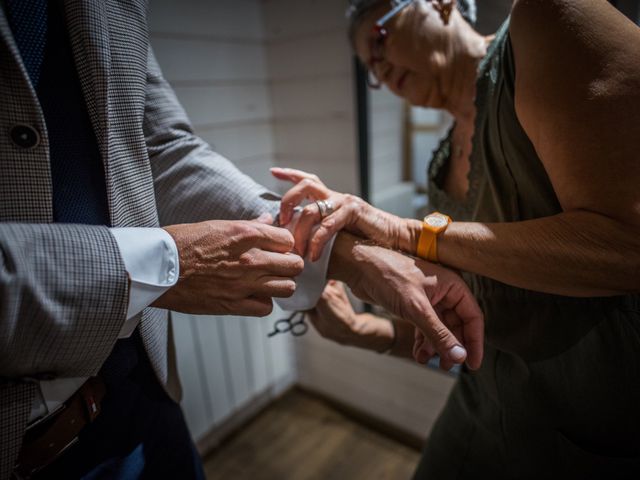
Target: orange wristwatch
432	225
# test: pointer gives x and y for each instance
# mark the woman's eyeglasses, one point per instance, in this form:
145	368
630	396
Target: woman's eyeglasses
379	37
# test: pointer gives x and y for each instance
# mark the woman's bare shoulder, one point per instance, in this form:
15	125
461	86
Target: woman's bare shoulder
572	51
577	96
589	36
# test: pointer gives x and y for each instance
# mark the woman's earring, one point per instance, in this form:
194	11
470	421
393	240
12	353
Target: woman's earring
444	7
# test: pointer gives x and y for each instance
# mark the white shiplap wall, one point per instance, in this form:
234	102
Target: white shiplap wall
213	53
309	64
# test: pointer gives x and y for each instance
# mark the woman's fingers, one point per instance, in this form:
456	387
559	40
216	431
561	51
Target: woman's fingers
464	310
329	226
473	330
422	349
309	217
308	186
443	340
293	175
304	190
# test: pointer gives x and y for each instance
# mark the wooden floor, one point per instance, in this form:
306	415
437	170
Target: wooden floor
300	437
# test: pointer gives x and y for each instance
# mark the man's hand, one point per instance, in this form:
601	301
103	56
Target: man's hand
231	268
436	300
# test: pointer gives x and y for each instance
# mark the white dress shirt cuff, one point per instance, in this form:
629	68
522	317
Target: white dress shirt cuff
310	283
151	259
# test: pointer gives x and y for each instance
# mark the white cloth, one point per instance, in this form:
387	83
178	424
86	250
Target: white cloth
311	282
151	259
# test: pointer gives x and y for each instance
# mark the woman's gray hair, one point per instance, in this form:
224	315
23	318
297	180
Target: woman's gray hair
358	9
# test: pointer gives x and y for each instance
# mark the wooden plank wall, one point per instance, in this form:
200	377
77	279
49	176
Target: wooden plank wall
310	71
213	53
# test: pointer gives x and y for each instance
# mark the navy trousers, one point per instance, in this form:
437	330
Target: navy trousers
140	433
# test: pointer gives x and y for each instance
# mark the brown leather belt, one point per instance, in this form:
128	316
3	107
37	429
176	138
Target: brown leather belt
44	441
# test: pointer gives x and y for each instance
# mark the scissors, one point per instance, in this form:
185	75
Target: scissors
297	327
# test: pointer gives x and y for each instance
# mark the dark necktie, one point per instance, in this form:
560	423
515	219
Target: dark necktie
28	20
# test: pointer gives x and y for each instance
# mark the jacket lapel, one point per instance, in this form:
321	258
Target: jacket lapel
88	26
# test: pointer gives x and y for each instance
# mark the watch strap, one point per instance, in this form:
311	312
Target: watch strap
428	240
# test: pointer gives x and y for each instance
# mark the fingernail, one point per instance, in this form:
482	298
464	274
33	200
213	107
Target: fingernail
457	354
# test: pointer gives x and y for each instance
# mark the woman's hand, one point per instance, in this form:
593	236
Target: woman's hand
349	212
334	319
433	298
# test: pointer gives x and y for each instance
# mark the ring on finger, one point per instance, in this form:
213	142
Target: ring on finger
330	208
323	208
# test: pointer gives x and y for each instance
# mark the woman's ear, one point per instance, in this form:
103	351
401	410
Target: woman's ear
444	7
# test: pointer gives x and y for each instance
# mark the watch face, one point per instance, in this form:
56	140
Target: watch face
436	221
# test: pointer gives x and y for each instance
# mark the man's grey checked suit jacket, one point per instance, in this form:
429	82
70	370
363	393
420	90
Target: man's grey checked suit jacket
63	288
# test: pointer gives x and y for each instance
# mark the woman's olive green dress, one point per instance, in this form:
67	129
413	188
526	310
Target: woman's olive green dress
558	393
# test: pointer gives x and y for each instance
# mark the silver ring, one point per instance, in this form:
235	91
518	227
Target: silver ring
330	208
323	208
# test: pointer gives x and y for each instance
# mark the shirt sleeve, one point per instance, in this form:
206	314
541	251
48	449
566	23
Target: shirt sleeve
151	259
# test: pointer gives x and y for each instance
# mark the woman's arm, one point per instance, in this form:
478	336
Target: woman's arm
574	253
334	319
434	299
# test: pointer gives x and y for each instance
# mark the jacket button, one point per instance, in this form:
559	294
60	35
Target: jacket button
25	136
